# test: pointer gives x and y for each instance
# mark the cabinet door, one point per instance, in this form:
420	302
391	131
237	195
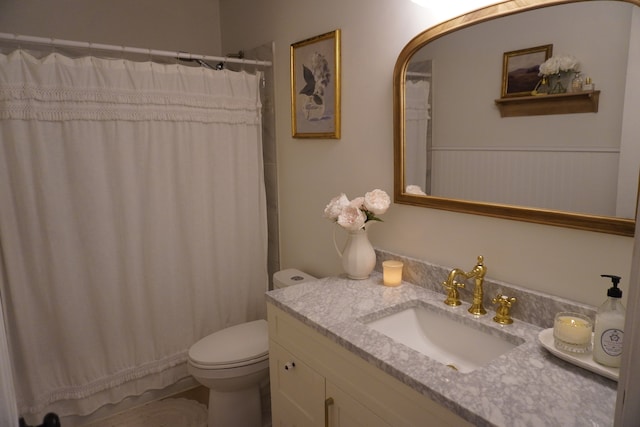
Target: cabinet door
297	391
343	410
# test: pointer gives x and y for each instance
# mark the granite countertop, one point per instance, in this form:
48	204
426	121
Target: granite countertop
527	386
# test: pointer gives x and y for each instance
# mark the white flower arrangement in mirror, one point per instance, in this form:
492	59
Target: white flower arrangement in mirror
559	64
556	74
354	214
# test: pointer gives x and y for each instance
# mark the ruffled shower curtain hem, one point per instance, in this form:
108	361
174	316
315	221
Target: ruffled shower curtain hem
112	394
137	373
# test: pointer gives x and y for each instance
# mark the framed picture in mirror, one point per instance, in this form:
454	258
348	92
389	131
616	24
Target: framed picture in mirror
520	70
315	87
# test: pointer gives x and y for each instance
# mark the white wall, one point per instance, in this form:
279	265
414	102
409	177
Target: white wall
185	25
559	261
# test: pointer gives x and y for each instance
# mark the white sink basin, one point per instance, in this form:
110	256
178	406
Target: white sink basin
449	341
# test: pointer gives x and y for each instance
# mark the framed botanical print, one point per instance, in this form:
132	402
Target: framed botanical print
315	87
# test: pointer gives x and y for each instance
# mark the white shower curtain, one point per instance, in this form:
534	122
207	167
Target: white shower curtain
132	222
8	408
416	128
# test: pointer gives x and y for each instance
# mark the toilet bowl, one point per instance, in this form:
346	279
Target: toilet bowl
233	362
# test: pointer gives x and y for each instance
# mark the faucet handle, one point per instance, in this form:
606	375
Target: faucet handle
453	296
503	315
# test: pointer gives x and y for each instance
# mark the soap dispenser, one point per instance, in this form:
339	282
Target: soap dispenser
609	326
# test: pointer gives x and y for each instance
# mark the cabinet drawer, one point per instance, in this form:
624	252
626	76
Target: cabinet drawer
297	391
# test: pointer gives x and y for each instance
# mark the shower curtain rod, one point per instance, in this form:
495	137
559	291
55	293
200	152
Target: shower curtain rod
125	49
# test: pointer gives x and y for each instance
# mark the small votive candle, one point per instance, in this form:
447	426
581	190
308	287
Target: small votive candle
392	272
572	332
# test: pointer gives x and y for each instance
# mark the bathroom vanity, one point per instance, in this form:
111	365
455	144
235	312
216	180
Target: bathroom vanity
316	382
328	367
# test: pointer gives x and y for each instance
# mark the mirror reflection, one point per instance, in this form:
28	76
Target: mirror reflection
455	151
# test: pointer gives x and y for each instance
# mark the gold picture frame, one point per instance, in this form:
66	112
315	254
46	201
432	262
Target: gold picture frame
520	70
315	87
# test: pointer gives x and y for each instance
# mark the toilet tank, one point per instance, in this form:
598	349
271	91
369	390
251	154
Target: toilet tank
290	277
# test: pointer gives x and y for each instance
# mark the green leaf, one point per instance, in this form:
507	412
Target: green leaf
310	82
371	216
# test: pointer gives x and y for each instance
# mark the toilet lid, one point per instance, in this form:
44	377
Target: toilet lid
235	344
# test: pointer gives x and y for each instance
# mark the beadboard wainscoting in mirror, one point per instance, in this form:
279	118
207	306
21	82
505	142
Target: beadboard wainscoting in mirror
454	150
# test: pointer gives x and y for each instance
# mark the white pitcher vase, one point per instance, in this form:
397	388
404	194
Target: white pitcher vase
358	256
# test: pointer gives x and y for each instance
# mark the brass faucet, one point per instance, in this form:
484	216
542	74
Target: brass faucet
503	315
477	273
453	296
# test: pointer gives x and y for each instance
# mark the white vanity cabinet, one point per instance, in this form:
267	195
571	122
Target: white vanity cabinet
306	398
316	382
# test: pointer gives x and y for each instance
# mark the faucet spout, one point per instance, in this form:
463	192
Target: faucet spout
451	285
453	274
477	273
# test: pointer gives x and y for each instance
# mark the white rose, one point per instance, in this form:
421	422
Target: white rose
358	202
415	189
352	218
335	206
568	63
547	68
555	64
377	202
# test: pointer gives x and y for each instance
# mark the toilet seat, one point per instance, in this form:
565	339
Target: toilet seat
239	345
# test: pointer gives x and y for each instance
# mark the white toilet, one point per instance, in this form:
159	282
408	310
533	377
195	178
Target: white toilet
233	363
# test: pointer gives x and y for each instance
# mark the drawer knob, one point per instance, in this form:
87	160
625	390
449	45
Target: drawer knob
289	366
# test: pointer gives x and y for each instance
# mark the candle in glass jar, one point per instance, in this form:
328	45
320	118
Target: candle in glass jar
572	331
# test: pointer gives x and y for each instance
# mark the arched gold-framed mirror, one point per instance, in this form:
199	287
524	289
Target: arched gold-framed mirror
508	35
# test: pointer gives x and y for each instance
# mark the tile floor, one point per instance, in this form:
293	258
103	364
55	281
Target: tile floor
171	412
186	409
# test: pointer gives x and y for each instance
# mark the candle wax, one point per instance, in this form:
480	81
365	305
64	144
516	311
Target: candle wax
572	330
